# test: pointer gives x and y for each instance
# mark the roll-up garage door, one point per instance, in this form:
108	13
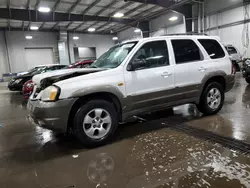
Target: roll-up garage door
36	57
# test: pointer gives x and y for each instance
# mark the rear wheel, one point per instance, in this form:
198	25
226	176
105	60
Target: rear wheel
95	123
212	99
248	80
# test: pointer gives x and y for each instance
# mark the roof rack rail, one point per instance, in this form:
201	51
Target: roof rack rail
189	33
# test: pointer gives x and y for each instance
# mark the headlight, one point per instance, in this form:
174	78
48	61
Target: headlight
30	85
18	81
50	94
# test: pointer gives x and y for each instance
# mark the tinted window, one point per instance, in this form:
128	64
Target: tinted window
213	48
186	51
231	50
154	54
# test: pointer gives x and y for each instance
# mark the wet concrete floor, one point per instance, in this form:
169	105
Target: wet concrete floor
143	155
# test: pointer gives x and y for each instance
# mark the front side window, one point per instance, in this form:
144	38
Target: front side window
153	54
213	48
186	51
114	56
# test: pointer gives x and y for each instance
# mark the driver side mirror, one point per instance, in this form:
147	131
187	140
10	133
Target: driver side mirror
136	64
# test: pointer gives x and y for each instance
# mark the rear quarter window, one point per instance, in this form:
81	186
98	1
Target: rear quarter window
213	48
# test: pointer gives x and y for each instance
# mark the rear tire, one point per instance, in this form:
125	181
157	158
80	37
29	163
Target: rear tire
212	99
248	80
95	123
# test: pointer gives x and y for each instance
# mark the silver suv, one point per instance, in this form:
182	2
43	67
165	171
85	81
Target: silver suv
133	78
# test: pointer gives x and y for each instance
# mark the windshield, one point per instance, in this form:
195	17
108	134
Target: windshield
34	69
114	56
38	70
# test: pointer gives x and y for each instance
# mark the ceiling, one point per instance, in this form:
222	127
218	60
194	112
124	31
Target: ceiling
98	9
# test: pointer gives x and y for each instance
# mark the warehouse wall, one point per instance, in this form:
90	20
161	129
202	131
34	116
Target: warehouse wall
101	42
17	43
226	21
3	55
128	34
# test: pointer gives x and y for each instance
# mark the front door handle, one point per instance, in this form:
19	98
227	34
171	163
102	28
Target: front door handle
202	69
166	74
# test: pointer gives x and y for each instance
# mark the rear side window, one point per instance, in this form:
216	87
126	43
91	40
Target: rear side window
213	48
186	51
231	50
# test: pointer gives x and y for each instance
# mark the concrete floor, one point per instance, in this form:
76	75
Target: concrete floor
143	155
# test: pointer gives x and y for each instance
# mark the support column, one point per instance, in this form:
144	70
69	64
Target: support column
63	48
144	27
187	11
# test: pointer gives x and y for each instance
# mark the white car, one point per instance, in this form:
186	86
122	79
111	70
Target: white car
235	56
133	78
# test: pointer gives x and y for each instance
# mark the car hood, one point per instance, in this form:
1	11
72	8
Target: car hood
22	73
23	76
55	76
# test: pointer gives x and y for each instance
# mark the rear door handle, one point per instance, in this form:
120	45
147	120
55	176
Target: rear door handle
166	74
202	69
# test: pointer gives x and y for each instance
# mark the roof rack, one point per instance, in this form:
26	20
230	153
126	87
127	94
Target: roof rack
189	33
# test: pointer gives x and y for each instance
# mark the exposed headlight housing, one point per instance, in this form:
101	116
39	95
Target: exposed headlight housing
50	94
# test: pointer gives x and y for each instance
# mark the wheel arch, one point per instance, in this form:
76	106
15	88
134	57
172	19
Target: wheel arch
218	77
103	95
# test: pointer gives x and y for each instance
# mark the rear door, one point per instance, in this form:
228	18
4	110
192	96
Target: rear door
191	67
217	55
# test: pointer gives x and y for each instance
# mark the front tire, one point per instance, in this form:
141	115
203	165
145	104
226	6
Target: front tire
248	80
212	99
95	123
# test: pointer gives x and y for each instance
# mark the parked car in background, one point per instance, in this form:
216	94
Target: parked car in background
234	55
27	89
81	64
16	84
246	70
133	78
33	69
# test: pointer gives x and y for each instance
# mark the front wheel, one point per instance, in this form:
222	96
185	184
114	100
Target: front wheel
95	123
212	99
248	80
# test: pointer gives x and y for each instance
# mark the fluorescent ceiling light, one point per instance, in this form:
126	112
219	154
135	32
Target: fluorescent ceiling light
28	37
173	18
91	29
118	15
115	38
75	38
137	30
34	28
44	9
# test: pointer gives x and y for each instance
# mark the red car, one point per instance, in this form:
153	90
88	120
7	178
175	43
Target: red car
27	89
81	64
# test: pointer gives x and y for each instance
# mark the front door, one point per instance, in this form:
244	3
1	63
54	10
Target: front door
152	82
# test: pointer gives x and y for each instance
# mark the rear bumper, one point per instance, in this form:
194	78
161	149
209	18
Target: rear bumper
51	115
230	80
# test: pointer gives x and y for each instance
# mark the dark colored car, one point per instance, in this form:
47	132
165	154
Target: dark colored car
246	70
81	64
16	84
